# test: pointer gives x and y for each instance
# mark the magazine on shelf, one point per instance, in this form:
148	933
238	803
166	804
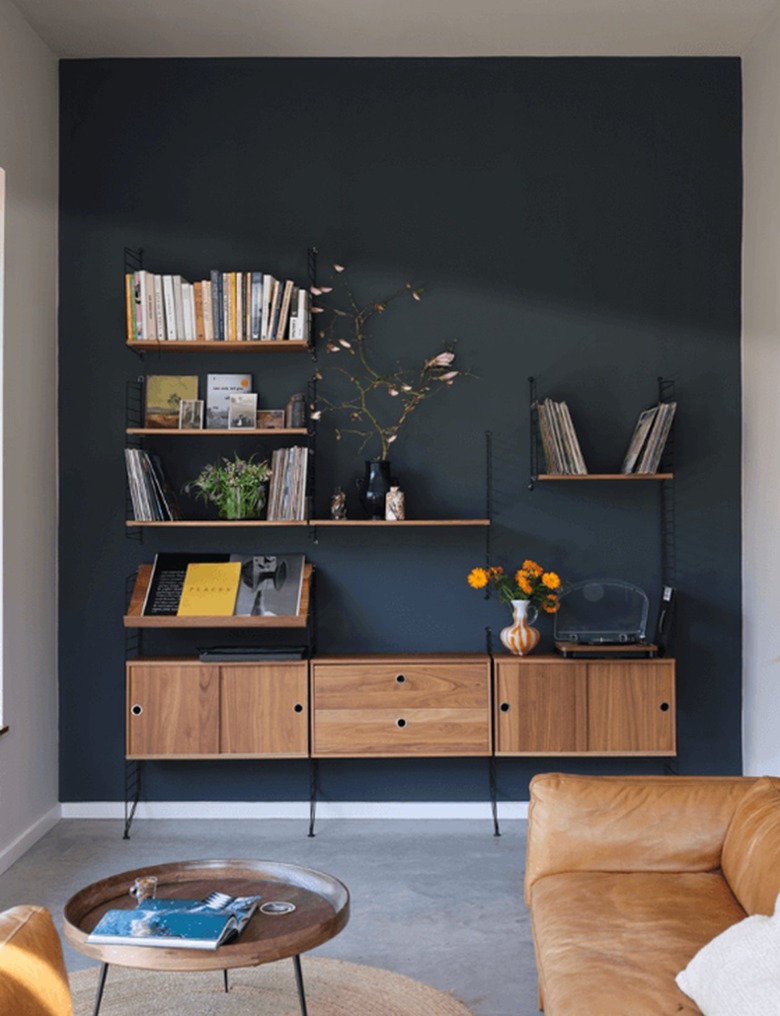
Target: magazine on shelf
638	439
270	585
177	924
210	589
219	388
163	593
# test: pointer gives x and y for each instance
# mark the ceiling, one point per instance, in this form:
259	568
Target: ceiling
349	28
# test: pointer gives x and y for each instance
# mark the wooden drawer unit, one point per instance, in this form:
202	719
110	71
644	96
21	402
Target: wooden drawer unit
545	705
385	706
188	709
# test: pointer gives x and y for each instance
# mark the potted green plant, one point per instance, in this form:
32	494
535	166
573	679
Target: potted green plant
238	487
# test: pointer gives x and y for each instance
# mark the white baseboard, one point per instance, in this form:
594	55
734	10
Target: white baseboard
297	810
10	854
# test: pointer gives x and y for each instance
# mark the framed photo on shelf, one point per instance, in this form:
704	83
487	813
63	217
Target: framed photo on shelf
242	411
191	414
270	419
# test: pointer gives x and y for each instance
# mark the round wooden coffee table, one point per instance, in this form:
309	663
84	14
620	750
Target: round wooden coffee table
321	911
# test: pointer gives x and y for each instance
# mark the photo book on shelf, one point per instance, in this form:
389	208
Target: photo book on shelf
177	924
219	388
210	589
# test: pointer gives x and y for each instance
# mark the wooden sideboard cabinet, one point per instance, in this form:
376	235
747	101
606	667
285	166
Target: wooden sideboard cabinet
545	705
401	705
187	709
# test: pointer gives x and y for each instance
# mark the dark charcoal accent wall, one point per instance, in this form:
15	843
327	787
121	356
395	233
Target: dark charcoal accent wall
578	220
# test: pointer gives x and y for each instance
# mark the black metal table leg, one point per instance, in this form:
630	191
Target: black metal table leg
227	986
299	983
312	793
493	781
100	987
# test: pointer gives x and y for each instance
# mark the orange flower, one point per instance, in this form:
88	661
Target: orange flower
496	571
532	567
524	582
478	578
551	580
551	608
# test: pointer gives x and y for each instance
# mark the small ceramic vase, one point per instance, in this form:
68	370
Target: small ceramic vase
520	638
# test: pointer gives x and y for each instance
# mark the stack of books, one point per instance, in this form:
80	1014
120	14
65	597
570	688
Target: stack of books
226	307
287	489
559	439
649	439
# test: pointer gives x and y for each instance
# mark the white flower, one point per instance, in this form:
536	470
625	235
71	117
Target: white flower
316	414
442	360
339	268
448	376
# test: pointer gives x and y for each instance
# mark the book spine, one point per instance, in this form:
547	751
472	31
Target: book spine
170	307
239	294
268	286
138	307
226	304
178	305
284	309
200	330
159	310
130	307
256	308
216	304
273	313
208	320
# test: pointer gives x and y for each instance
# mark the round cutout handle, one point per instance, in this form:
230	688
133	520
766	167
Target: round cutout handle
400	723
664	706
504	707
297	708
136	709
400	678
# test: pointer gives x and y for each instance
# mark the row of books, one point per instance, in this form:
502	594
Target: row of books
287	489
559	439
649	439
228	306
224	585
152	497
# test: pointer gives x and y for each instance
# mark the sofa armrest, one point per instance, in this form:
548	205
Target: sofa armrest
628	823
33	979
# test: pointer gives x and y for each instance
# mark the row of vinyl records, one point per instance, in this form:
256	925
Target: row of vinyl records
562	452
228	306
154	500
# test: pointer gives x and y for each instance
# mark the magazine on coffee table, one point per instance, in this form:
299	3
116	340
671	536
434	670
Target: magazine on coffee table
177	924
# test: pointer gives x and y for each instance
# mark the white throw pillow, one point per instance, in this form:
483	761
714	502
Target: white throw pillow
738	973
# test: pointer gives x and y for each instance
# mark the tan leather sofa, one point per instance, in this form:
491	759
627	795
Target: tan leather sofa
33	981
628	877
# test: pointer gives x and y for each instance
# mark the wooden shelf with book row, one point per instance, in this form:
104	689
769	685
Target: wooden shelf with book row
198	346
135	618
605	476
217	431
263	523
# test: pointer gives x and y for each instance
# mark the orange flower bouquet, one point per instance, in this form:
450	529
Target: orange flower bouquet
530	582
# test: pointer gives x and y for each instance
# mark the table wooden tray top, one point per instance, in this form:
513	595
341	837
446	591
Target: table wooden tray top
321	902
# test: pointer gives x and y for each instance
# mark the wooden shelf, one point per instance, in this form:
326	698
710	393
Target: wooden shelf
206	523
134	618
182	346
400	524
210	523
217	431
605	476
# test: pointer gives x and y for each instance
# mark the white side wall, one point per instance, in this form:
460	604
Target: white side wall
28	153
761	404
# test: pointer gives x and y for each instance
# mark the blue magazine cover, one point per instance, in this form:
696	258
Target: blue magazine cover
177	924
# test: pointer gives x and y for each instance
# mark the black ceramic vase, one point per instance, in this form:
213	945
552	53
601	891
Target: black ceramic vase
374	486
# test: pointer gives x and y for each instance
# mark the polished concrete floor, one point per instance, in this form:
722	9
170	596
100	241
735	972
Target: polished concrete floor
440	901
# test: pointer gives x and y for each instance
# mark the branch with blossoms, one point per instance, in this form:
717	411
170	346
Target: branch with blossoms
382	400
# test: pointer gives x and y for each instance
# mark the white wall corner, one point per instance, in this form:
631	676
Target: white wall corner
14	850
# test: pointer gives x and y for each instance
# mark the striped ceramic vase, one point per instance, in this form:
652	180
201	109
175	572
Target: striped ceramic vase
520	638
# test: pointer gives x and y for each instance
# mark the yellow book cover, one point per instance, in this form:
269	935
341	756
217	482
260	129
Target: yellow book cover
210	589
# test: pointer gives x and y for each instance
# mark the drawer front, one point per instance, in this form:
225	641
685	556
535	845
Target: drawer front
402	685
391	732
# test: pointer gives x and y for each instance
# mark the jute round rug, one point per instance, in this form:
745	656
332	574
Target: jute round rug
333	988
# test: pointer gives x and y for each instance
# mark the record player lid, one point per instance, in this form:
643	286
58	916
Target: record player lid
607	611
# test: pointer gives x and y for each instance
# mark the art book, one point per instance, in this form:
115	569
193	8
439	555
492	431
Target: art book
218	391
209	589
164	392
167	581
177	924
270	584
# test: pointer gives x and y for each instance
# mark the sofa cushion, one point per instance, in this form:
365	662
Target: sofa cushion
611	944
751	850
33	980
624	823
738	971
